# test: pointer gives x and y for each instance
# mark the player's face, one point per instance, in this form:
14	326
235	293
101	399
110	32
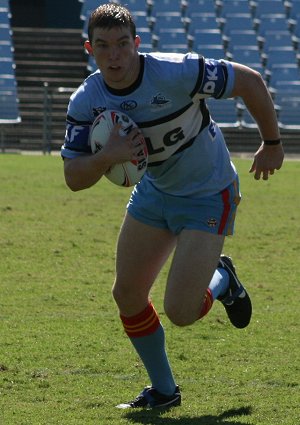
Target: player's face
115	53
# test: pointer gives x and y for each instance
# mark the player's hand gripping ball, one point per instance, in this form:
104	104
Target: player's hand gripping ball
129	173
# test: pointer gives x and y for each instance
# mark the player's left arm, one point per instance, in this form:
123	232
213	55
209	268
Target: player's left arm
250	86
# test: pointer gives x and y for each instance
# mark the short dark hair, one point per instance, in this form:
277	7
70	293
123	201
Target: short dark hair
111	15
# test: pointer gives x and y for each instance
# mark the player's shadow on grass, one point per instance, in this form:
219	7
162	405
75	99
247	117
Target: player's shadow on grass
156	417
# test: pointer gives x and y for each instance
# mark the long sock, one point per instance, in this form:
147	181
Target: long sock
148	338
217	287
219	283
207	303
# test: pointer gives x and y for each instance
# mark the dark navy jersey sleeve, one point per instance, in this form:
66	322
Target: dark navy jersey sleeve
215	77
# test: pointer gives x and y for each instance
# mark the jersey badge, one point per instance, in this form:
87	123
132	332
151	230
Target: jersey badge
128	105
97	111
159	101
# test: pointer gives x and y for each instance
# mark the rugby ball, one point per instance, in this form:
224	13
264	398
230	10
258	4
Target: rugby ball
126	174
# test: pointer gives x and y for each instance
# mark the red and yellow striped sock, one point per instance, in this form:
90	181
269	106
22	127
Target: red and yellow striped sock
207	303
147	336
142	324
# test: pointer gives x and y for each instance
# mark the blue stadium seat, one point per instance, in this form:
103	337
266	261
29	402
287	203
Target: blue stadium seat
245	37
290	87
296	30
208	37
146	39
173	48
210	51
7	66
145	34
223	111
234	6
246	119
276	22
266	7
5	15
5	29
281	54
237	21
166	6
168	38
5	32
242	38
200	6
143	20
87	7
284	72
138	5
277	39
6	49
247	55
9	108
289	111
295	9
204	21
7	69
168	20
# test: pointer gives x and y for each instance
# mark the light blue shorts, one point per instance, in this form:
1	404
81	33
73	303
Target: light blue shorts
213	214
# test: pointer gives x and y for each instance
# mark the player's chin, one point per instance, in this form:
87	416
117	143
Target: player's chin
115	74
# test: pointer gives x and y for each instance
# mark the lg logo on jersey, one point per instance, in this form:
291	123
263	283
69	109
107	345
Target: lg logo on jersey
212	76
169	139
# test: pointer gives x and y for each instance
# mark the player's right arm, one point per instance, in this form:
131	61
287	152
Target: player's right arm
84	171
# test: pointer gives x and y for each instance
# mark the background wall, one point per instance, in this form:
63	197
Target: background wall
46	13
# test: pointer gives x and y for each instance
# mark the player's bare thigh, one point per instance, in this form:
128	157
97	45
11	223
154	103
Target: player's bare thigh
141	252
194	263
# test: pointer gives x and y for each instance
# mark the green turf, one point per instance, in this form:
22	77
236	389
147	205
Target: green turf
64	358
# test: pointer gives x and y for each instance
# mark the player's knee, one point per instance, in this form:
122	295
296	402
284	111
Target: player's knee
178	315
128	299
118	293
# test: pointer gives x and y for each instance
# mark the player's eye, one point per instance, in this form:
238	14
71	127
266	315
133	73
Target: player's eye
123	43
101	45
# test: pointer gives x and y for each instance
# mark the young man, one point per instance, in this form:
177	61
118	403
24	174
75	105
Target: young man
186	201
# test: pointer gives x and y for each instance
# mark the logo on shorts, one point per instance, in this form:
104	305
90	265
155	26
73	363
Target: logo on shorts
212	222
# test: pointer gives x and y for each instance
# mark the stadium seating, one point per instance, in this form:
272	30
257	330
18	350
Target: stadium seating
242	37
9	111
263	34
236	21
268	7
166	6
276	22
203	6
235	7
224	111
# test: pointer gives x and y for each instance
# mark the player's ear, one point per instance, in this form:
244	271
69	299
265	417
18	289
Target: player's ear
137	41
88	47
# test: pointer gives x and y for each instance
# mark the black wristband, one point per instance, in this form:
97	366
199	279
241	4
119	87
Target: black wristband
272	142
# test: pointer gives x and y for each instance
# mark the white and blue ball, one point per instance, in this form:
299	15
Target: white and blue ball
126	174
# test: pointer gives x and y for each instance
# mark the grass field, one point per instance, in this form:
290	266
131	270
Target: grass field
64	359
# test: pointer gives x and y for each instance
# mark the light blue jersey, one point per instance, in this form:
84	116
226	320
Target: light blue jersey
187	152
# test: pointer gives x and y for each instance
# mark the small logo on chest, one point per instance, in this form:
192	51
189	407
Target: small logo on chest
160	101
